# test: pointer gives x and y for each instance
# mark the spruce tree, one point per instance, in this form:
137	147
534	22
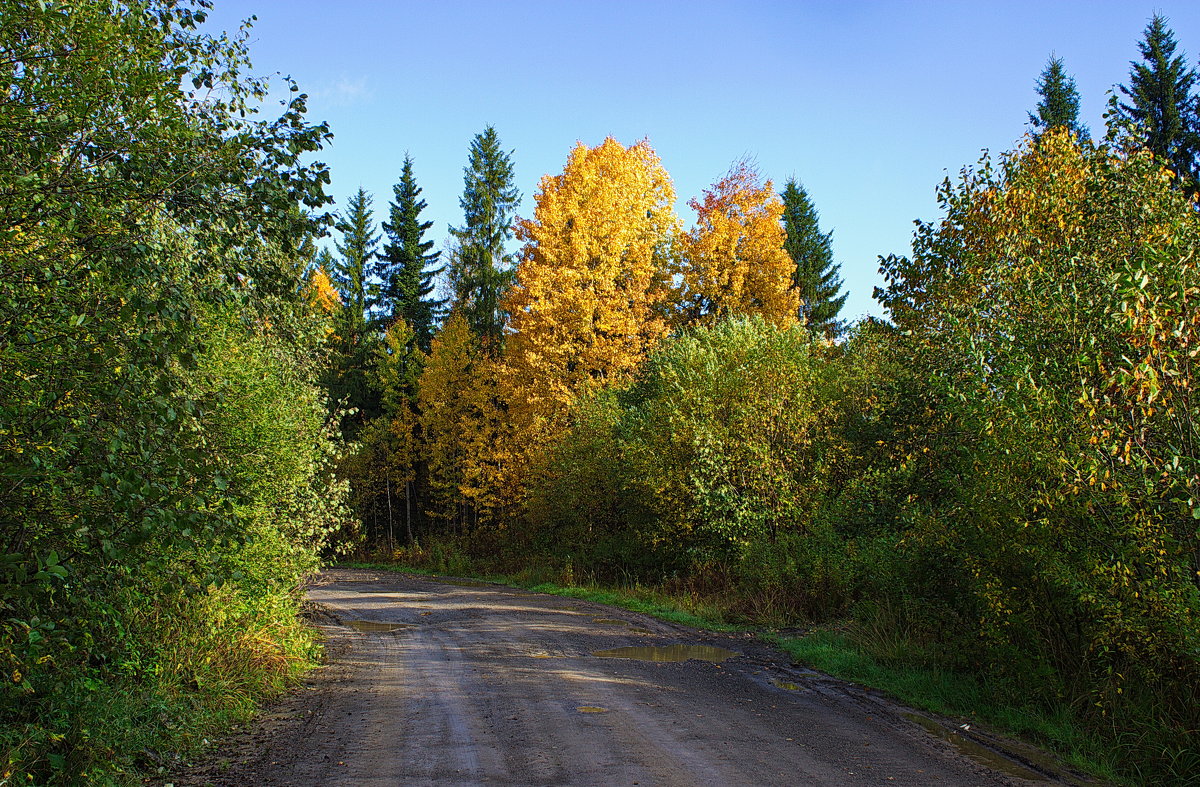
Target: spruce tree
480	269
816	278
356	251
1059	105
354	350
1161	103
405	267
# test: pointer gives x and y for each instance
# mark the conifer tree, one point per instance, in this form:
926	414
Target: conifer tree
405	267
1161	103
354	350
357	250
816	279
480	269
1059	104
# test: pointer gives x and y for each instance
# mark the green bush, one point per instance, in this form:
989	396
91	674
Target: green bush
164	459
1052	312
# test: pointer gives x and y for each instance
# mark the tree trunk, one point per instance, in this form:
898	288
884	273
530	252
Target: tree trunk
391	537
408	510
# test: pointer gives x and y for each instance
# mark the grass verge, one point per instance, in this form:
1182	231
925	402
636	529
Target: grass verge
190	667
954	694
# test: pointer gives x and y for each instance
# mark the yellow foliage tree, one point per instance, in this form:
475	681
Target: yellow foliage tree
440	400
464	428
733	261
591	282
321	292
487	481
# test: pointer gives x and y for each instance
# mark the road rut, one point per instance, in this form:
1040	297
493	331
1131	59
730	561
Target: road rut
433	682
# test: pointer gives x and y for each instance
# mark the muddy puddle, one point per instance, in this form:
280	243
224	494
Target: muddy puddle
981	754
787	684
375	626
667	653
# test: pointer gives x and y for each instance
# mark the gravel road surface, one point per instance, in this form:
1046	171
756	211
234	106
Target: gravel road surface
444	682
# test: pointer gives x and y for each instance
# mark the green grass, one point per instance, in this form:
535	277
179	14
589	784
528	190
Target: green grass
952	694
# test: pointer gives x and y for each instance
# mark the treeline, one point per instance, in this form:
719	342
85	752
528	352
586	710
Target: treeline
452	401
1003	476
166	471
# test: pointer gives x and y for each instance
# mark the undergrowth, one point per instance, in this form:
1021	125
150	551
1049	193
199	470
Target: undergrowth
191	667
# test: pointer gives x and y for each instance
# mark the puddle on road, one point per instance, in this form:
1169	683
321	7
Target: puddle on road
785	684
375	626
591	709
667	653
981	754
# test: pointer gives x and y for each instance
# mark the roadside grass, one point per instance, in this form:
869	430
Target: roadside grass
953	694
192	668
214	671
832	651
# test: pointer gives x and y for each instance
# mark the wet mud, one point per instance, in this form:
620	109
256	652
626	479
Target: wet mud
667	653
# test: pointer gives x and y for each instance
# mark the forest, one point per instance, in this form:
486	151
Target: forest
212	385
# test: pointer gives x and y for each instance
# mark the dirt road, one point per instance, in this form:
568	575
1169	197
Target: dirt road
432	682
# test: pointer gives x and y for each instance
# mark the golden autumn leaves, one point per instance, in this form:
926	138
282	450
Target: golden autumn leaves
605	273
592	278
733	262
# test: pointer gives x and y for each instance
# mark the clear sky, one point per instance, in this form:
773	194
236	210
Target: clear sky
868	104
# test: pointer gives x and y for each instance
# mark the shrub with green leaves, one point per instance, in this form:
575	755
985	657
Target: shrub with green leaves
1052	311
150	237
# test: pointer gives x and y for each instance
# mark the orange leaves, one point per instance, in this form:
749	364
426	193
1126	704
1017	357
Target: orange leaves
733	262
443	407
593	294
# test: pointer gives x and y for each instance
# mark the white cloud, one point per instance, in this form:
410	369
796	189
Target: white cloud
344	91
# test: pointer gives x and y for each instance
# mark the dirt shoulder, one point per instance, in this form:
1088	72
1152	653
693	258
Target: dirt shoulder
432	682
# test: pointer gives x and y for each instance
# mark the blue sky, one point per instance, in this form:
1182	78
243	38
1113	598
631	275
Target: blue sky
868	104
